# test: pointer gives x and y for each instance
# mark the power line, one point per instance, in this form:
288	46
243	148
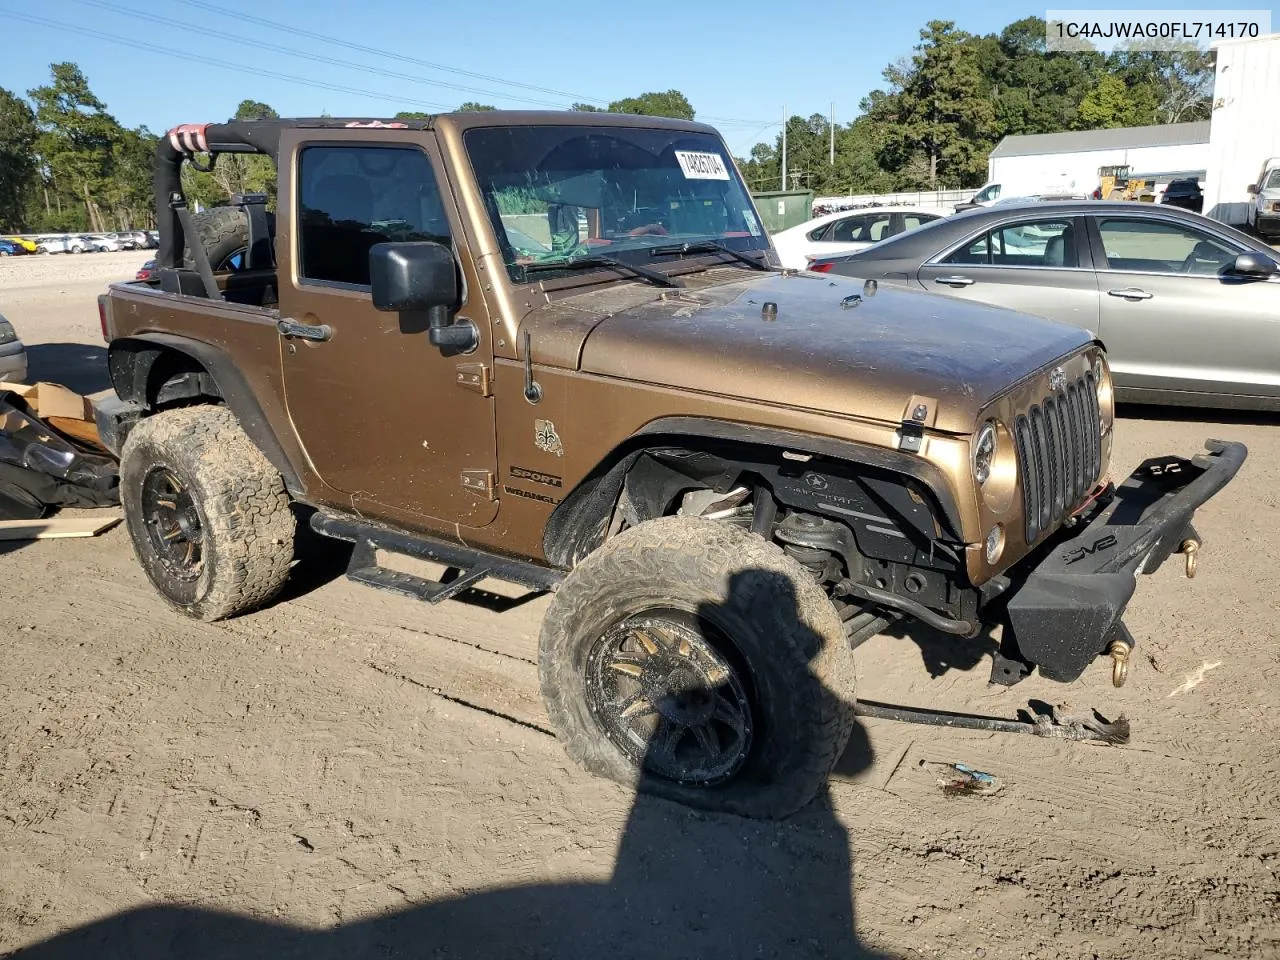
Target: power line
294	30
237	67
304	55
291	78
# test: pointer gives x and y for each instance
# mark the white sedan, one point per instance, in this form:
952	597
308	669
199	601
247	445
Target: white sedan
847	232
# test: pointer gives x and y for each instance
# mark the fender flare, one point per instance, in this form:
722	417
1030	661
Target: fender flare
131	380
584	513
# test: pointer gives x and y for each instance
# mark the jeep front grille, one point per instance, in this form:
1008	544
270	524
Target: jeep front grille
1059	454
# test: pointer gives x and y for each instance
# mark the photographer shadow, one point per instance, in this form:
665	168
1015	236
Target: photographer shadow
686	884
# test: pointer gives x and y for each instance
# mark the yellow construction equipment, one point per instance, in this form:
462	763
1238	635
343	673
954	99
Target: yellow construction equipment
1116	183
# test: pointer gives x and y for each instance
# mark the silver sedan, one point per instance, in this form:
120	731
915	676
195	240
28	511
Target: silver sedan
1188	308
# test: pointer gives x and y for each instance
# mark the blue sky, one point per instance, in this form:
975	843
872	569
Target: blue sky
739	64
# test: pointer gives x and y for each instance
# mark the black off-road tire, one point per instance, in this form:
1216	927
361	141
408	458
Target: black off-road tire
224	231
786	636
244	517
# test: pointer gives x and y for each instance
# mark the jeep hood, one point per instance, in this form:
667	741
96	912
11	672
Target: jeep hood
832	347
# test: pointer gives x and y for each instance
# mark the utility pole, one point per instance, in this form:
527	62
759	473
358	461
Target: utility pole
784	148
833	134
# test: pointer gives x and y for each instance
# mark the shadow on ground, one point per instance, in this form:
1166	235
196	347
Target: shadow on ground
1196	415
686	884
76	366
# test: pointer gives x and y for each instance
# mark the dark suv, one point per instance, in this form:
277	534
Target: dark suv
1184	193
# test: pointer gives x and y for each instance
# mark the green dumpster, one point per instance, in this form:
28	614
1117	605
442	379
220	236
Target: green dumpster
780	209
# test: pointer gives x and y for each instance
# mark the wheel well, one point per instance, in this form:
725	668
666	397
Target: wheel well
647	477
158	377
160	371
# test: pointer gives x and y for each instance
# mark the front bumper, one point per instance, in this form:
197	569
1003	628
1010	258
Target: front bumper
1268	224
1064	604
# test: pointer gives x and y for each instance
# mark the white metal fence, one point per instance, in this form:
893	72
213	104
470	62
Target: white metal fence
912	198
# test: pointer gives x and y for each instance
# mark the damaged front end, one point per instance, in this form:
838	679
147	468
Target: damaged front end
1064	605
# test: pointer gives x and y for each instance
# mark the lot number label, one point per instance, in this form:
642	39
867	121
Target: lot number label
702	166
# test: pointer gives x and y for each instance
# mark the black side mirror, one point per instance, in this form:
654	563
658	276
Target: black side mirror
1252	188
421	276
1253	265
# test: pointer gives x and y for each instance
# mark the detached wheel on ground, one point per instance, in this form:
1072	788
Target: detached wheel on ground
224	233
208	514
698	662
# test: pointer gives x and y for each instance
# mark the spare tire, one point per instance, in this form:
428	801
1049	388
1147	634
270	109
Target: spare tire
223	232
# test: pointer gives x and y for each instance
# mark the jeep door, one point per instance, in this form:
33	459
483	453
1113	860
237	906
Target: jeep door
1035	265
384	416
1175	321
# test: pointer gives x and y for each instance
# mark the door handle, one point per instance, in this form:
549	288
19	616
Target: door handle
1130	293
954	281
304	331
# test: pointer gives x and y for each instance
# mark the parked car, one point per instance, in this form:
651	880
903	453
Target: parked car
147	271
845	232
13	355
104	243
1184	193
1264	209
63	244
27	246
1186	305
10	249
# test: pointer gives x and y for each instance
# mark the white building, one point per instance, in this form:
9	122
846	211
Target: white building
1040	162
1246	90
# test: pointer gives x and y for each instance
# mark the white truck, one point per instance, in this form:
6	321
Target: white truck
1264	211
1242	134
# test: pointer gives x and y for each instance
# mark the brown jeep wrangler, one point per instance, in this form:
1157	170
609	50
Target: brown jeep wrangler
557	349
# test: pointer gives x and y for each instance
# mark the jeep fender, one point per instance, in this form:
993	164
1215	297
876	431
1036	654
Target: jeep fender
132	361
579	524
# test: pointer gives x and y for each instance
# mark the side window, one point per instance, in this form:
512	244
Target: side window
979	251
1031	243
1155	246
820	233
847	230
912	220
864	229
352	197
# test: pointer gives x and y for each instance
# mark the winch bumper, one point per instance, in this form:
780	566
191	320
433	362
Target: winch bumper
1064	608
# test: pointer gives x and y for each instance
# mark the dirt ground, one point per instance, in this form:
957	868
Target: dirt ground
351	774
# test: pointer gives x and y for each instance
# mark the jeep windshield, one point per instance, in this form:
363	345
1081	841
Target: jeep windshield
560	194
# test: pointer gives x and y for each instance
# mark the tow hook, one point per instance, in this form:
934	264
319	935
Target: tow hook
1190	548
1119	651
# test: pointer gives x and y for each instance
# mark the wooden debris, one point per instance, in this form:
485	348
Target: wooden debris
55	529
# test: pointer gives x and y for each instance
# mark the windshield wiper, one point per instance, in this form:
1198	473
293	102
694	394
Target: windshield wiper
595	260
709	246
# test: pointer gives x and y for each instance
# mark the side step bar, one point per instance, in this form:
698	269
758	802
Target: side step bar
468	566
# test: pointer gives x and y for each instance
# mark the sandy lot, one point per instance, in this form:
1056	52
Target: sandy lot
351	774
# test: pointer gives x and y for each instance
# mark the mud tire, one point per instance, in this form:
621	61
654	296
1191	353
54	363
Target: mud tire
247	527
224	232
786	634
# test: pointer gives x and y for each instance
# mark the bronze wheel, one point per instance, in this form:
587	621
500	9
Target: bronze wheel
666	696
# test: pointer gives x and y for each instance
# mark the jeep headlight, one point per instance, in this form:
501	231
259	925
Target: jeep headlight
995	465
984	452
1106	395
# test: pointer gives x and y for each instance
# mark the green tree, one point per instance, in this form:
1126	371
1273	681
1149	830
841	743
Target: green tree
472	107
17	159
944	126
413	115
671	103
76	138
1113	104
586	108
